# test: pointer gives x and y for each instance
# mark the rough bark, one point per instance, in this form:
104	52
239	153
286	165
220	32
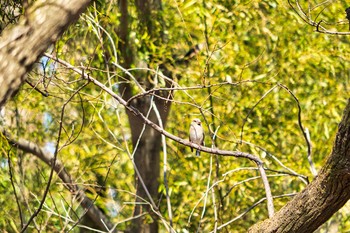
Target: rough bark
323	197
22	45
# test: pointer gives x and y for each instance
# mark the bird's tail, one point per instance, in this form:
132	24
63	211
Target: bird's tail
198	153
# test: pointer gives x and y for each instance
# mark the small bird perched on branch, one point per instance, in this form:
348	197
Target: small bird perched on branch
347	10
196	134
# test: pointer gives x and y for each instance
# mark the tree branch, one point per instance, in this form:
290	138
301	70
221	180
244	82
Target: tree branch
324	196
21	46
147	121
86	203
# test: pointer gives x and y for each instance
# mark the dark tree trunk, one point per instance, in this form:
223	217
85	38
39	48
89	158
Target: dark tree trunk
323	197
147	142
147	161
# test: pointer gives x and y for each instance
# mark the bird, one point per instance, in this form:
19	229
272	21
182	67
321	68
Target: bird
196	134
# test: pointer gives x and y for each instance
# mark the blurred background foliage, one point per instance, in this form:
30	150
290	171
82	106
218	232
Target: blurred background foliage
250	48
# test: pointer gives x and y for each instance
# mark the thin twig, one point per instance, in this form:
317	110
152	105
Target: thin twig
215	211
206	194
218	170
249	179
14	188
53	162
251	110
43	93
298	9
304	132
62	173
303	178
106	224
155	109
250	208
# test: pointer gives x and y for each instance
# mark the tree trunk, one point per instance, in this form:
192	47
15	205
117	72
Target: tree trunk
21	46
324	196
146	143
147	161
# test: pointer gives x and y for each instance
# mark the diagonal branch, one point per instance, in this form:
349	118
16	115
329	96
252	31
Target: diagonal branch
21	46
86	203
148	122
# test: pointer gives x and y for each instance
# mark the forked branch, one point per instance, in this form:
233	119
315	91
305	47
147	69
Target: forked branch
148	122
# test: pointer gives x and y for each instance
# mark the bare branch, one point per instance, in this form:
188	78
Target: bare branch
305	132
216	151
85	202
320	25
14	188
170	213
251	110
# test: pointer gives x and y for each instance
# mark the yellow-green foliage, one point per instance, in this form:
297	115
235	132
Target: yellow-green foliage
252	49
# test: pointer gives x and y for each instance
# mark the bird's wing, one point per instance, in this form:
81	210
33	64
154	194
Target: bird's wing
192	129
